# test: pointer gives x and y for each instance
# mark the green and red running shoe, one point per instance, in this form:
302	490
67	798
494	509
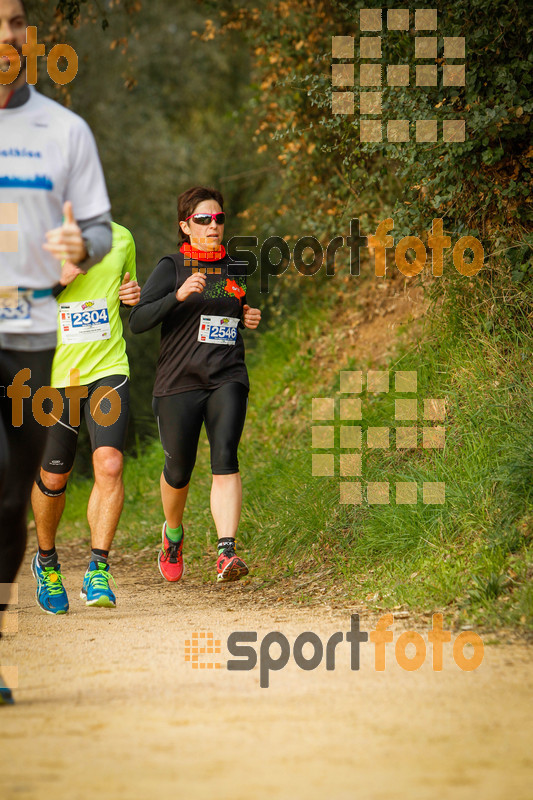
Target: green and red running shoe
170	558
230	567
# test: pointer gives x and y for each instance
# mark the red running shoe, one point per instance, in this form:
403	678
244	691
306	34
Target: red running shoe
170	557
229	566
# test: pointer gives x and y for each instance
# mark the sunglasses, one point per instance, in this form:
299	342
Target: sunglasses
205	219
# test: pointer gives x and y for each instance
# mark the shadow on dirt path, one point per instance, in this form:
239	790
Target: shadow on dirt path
108	707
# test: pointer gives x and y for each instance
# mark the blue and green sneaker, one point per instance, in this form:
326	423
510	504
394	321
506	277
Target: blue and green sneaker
51	594
6	698
96	590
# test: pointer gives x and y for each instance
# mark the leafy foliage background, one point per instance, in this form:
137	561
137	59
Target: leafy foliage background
238	95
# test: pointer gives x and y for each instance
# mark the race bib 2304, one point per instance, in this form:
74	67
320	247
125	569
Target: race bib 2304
85	321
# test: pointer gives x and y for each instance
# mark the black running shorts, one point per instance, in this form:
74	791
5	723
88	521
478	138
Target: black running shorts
180	417
60	449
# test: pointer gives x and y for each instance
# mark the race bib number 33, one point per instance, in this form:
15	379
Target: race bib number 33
85	321
14	309
218	330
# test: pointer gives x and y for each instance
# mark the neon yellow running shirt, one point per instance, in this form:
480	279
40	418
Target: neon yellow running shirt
90	335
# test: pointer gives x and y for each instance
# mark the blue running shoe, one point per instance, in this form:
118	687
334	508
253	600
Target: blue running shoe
5	694
95	590
51	594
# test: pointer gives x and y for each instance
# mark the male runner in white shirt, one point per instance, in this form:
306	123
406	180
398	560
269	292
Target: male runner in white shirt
52	189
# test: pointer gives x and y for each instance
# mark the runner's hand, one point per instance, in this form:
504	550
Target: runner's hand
69	273
66	243
129	292
194	283
251	317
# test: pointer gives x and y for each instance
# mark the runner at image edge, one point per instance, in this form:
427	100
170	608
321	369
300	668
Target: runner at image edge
53	189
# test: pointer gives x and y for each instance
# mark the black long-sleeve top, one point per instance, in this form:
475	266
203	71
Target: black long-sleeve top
184	362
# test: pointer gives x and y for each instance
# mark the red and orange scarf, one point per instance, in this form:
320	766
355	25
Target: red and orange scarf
202	255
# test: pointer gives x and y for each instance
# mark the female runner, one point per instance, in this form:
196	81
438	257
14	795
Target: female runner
199	297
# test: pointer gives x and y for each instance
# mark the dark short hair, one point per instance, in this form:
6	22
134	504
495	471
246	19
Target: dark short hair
187	202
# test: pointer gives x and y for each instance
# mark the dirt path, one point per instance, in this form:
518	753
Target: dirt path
108	707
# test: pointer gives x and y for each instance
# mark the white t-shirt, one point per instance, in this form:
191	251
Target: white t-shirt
47	156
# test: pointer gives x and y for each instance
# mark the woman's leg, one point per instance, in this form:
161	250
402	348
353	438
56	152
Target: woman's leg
173	501
226	504
179	418
224	415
